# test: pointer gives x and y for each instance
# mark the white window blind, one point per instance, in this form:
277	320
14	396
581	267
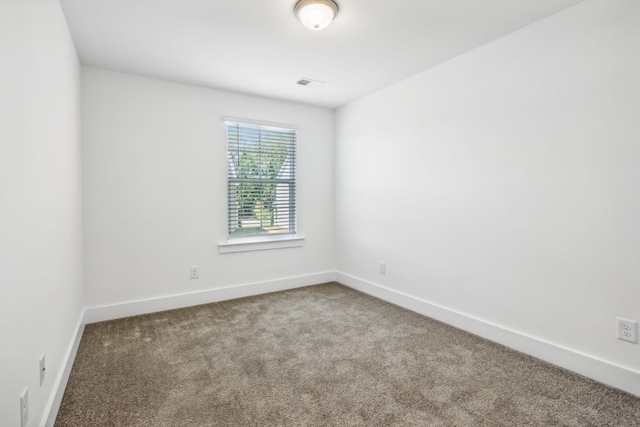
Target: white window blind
261	177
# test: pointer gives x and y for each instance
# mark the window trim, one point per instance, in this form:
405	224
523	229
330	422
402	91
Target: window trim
261	243
265	241
258	123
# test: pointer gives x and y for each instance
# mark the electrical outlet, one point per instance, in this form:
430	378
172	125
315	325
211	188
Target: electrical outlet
382	267
43	369
194	272
628	330
24	407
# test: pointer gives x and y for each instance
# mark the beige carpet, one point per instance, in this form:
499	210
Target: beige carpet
319	356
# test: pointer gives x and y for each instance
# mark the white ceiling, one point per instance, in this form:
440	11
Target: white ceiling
259	47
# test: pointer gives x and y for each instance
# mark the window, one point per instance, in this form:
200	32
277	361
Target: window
261	179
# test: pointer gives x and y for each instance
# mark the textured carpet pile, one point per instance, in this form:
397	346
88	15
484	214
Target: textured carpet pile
319	356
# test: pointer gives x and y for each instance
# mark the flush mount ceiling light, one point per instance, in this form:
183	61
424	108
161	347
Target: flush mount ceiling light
316	14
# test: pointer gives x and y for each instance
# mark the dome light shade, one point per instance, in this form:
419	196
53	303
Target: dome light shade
316	14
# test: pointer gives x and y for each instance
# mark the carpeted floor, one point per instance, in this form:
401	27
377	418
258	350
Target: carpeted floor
319	356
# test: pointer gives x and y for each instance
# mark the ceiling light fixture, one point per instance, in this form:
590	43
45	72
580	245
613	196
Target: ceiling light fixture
316	14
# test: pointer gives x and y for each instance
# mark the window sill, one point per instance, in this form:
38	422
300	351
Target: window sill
260	244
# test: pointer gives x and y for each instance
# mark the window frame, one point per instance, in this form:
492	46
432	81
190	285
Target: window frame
261	241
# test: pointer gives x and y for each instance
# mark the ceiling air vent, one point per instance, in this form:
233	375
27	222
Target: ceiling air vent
309	82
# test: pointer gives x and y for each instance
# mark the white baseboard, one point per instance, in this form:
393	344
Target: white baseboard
600	370
60	384
134	308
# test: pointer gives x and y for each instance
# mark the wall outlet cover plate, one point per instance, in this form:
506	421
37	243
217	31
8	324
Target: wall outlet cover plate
628	330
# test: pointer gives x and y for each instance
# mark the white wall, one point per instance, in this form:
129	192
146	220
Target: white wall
154	162
503	185
40	202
